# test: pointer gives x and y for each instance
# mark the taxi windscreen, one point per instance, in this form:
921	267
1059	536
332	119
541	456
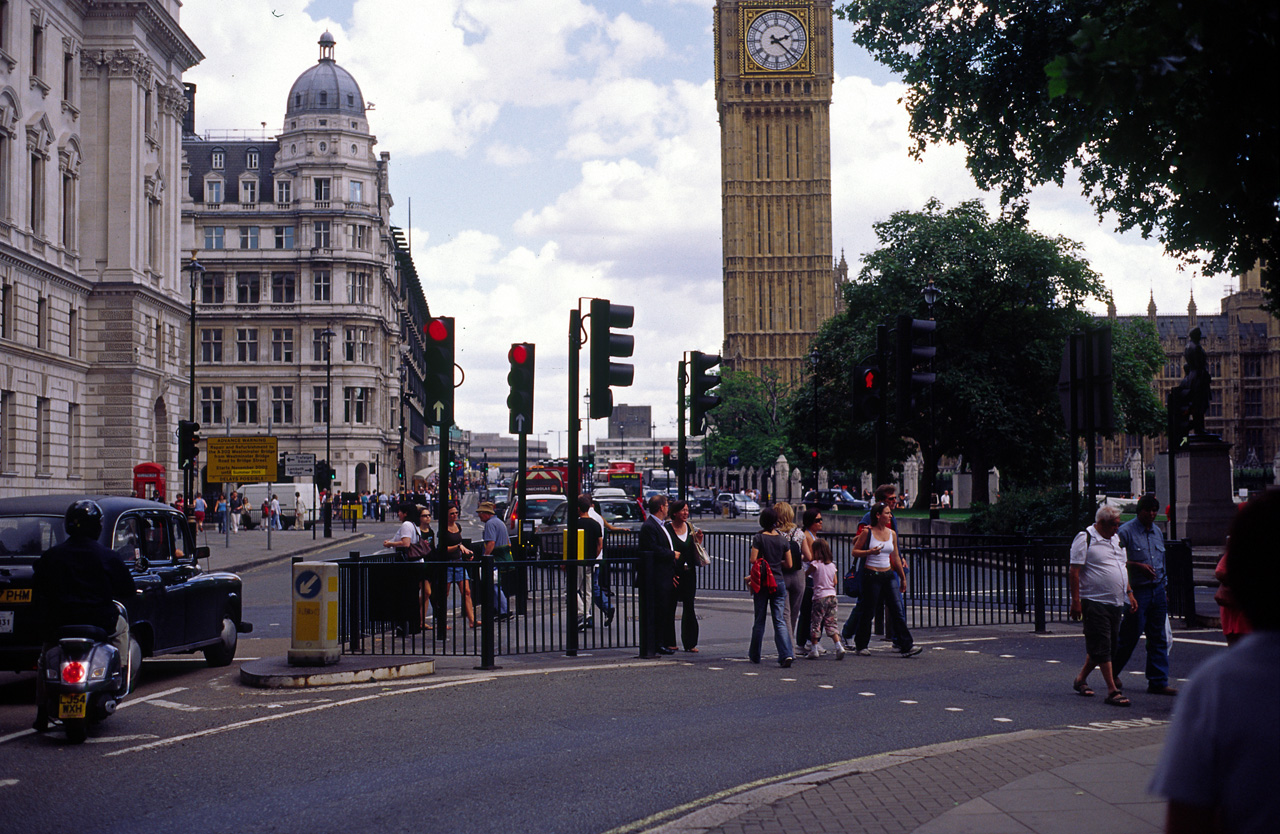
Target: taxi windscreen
24	538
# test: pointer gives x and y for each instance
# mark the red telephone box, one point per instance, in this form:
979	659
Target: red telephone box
148	481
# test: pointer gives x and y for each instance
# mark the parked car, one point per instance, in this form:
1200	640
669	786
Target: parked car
540	506
834	499
620	512
500	496
701	500
179	608
739	503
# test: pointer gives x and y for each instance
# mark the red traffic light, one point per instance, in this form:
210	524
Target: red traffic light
518	354
437	330
814	454
869	379
666	450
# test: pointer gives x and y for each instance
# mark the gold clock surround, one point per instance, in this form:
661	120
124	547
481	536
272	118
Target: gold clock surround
748	13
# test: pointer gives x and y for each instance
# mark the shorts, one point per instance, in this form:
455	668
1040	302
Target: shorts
457	574
199	517
1101	629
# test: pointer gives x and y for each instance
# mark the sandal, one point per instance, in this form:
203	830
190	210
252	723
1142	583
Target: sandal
1082	688
1118	699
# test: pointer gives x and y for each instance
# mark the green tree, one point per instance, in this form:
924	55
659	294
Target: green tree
1010	298
748	421
1159	105
1136	358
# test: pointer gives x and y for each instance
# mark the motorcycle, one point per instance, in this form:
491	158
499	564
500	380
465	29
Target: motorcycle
80	681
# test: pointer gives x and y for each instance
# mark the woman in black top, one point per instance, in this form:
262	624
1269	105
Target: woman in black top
453	550
776	551
685	539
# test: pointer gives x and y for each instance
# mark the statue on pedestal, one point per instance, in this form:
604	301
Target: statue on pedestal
1192	394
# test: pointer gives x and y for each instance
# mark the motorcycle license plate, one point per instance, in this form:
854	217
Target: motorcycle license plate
72	706
6	622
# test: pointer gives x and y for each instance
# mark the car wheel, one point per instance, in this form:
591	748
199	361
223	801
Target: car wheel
224	651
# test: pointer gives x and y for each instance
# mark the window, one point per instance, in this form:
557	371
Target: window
357	288
282	344
246	344
6	311
349	351
73	440
319	346
358	236
320	404
213	192
218	160
246	404
210	405
213	288
73	333
8	433
321	189
1251	366
37	49
37	194
357	191
42	323
248	237
324	99
247	288
251	159
358	345
249	191
68	216
322	235
44	435
356	405
284	237
282	404
284	191
215	237
1253	402
320	281
69	70
283	288
211	345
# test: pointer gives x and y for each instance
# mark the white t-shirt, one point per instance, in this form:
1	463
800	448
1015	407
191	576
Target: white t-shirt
1221	749
408	530
879	560
1103	577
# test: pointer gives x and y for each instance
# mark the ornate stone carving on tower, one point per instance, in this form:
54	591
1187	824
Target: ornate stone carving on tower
773	89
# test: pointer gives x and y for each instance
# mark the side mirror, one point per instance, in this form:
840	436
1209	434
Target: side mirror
141	561
201	553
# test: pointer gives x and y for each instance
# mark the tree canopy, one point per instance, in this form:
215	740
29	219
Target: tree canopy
1010	297
1136	358
1166	109
748	421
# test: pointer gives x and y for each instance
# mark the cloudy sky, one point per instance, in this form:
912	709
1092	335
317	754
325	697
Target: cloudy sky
544	151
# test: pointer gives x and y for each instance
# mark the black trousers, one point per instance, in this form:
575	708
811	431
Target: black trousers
684	595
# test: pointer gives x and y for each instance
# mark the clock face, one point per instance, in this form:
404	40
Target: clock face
776	40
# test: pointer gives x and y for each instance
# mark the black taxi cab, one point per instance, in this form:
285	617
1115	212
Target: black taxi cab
178	608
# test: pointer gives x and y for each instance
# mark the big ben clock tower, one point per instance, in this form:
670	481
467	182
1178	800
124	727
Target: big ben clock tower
773	89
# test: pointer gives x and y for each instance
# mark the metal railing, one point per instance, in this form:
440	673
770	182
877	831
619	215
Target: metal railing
953	581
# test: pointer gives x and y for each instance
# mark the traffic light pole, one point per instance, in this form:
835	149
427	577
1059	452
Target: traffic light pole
882	418
683	454
573	489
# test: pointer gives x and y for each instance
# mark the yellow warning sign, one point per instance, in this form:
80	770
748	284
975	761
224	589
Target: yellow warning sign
242	459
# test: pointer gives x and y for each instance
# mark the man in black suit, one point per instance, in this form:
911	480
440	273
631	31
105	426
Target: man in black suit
655	539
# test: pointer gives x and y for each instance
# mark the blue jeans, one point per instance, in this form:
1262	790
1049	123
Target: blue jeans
774	605
1153	610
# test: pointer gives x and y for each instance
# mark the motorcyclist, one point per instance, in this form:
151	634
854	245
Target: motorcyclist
78	581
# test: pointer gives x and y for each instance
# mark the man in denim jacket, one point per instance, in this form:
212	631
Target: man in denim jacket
1144	547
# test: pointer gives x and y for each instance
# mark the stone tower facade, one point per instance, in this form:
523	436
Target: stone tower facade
774	73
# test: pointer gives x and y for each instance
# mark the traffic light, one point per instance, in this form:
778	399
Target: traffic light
520	400
438	379
701	400
188	443
605	344
914	362
666	458
323	475
867	386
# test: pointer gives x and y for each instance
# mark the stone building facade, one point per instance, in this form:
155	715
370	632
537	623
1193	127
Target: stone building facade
304	277
774	74
91	291
1242	343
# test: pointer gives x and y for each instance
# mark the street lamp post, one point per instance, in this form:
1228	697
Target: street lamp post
813	364
328	335
404	375
189	476
931	294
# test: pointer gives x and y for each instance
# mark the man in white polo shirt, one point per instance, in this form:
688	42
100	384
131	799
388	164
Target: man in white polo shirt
1100	592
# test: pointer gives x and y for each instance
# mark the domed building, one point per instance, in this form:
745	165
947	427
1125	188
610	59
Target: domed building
304	278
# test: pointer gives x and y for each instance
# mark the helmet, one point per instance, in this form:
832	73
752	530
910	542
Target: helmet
84	520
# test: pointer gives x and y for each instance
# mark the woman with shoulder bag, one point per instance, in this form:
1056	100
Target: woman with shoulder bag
793	576
420	552
776	553
686	538
878	546
455	551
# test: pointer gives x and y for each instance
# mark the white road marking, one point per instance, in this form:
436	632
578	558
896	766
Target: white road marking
1053	661
750	674
972	651
1003	720
954	709
1008	655
116	739
1222	643
165	742
825	686
18	734
789	680
867	694
908	702
161	702
716	668
6	783
131	702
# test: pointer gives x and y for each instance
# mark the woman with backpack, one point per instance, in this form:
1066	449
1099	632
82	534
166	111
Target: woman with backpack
768	591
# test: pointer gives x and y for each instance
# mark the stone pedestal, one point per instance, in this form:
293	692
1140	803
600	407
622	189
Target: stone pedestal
1204	507
962	490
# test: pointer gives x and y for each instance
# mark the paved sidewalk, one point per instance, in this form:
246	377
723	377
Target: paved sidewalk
1043	782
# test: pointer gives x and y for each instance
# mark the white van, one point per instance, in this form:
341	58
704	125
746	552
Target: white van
255	494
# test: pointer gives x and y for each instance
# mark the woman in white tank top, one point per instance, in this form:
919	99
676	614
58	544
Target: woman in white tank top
878	546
